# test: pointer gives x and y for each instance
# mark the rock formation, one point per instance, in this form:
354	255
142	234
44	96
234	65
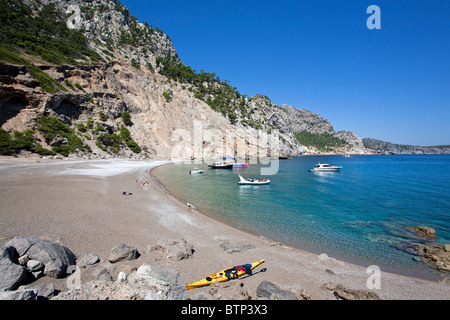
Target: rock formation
383	147
169	118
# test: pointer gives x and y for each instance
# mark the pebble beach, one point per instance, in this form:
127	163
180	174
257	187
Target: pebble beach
82	205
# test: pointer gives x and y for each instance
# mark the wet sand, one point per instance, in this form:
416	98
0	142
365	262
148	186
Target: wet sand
81	203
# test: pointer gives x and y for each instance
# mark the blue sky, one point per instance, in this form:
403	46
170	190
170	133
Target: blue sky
391	84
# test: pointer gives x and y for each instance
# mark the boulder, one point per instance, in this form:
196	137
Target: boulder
164	284
123	252
237	247
12	274
425	232
55	257
268	290
437	256
88	260
34	265
343	293
21	295
176	249
55	269
42	292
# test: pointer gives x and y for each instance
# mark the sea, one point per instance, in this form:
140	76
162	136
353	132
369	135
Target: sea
362	214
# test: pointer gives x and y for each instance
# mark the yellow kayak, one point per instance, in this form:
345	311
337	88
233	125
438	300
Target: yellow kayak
225	275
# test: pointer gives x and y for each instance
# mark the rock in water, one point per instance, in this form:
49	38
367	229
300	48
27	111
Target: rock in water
425	232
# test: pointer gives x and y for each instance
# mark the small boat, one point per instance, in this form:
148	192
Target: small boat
323	167
225	275
196	171
221	165
240	165
253	182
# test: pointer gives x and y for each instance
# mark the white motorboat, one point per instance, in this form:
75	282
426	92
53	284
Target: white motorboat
196	171
253	182
323	167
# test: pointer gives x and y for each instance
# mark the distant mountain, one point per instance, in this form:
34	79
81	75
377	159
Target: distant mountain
116	87
383	147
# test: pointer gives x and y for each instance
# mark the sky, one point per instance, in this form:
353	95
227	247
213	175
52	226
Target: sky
391	84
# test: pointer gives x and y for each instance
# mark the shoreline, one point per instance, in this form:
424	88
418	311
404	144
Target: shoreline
361	262
102	219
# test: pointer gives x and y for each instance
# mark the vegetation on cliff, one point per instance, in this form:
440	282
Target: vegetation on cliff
33	32
321	141
208	87
43	33
12	145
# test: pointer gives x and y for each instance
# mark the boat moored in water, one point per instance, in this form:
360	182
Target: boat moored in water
253	182
240	165
324	167
196	171
221	165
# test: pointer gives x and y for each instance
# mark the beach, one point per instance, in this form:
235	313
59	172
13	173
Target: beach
81	204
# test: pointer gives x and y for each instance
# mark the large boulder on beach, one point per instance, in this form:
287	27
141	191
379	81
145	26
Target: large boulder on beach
87	260
343	293
146	283
175	249
270	291
12	274
237	247
123	252
51	257
163	284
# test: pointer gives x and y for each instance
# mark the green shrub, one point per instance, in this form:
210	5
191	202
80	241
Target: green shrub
47	83
52	127
103	116
90	123
44	152
126	118
6	143
113	142
11	55
24	140
168	95
82	128
133	146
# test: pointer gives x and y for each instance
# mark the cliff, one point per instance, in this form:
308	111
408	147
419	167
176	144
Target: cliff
383	147
115	87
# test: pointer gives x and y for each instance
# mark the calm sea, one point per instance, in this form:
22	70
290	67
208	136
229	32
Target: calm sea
360	214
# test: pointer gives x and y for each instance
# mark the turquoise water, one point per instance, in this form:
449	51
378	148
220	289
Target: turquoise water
360	214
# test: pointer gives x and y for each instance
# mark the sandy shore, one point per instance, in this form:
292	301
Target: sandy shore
81	204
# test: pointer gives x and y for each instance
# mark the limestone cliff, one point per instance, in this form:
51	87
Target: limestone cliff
124	69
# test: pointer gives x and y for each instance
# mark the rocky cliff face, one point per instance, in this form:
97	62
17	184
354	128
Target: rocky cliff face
383	147
111	28
167	119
